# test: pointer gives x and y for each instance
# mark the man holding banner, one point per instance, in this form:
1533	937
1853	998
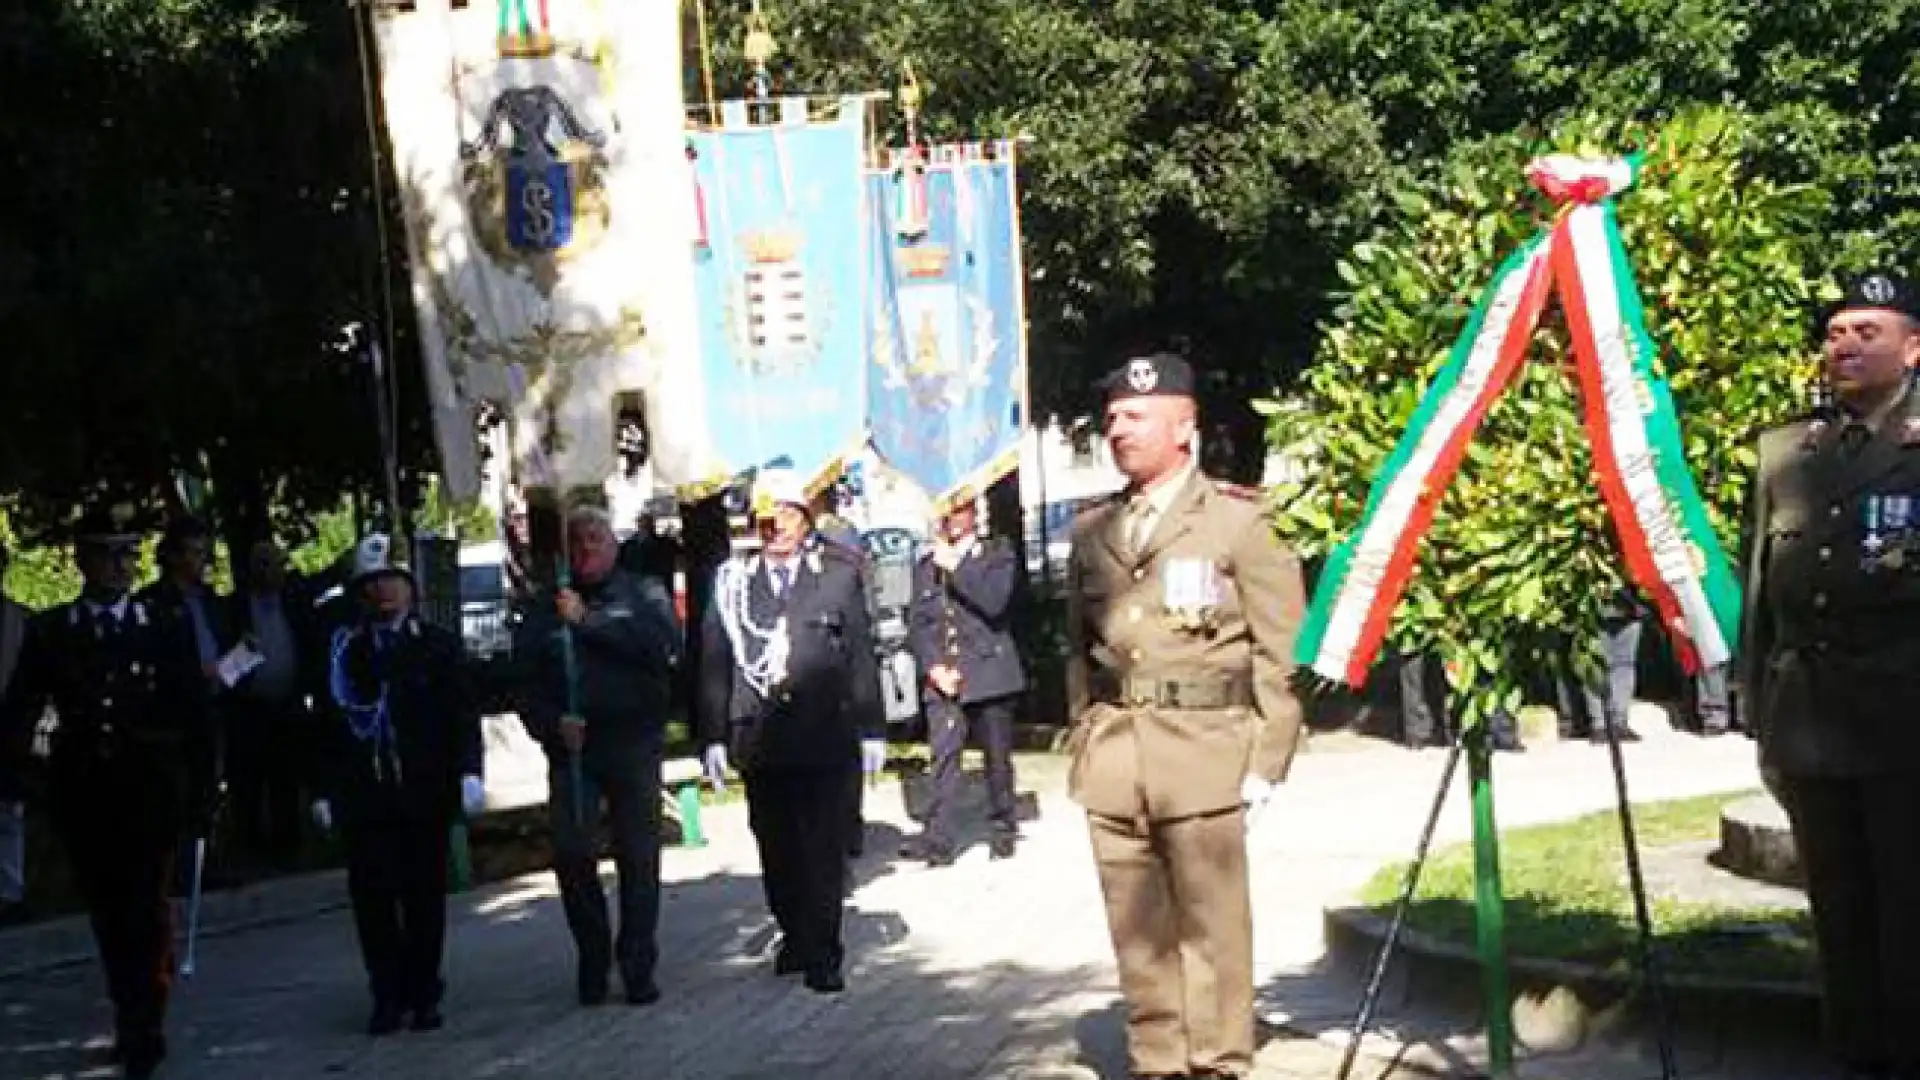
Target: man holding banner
610	749
1182	611
1830	656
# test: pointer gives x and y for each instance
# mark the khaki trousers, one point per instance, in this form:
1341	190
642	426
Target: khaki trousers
1182	924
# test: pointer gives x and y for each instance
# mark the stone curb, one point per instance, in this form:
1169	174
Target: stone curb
1428	970
68	941
1756	841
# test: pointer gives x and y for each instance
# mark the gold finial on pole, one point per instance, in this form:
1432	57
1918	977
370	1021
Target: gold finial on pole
910	96
759	48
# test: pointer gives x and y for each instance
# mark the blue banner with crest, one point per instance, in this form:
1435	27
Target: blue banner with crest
947	336
781	285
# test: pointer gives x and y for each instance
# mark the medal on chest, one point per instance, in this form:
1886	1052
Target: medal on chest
1190	595
1889	540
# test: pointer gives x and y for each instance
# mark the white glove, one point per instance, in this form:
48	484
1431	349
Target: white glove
873	755
323	815
473	794
1255	792
715	760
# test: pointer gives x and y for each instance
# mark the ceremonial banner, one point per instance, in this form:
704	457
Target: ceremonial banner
945	322
540	151
781	286
1669	544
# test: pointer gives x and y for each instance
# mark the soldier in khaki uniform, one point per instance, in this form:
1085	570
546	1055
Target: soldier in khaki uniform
1830	663
1182	610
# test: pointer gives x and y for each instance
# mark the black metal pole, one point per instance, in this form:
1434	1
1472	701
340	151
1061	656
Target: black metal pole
380	343
1384	955
1644	945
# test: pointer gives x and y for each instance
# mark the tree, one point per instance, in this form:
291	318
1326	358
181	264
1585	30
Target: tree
1521	552
189	214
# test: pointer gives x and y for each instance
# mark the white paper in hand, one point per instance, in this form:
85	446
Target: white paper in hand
238	664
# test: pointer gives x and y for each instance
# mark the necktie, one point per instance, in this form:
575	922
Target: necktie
1854	438
1139	524
781	574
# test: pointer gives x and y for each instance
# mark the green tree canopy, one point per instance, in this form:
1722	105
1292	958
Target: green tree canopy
186	237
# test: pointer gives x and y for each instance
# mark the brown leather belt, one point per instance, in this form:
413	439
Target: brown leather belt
1143	692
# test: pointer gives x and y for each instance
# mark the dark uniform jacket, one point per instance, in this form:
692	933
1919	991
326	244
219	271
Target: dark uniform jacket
831	697
961	620
305	620
166	597
16	741
625	651
133	732
1829	653
433	734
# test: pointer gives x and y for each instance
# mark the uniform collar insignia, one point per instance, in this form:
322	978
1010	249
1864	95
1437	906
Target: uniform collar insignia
1910	431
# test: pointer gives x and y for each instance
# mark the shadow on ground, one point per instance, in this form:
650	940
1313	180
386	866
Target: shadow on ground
288	1001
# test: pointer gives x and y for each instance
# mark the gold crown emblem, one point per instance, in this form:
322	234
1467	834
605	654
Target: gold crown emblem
773	245
928	261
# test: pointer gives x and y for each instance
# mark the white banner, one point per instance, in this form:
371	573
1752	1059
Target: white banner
541	153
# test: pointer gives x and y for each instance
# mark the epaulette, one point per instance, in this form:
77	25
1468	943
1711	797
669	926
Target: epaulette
1243	492
1100	502
835	549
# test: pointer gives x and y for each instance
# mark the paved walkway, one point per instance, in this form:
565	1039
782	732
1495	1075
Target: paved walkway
983	970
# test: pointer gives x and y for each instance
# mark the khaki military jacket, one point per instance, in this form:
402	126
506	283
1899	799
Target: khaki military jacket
1829	650
1181	655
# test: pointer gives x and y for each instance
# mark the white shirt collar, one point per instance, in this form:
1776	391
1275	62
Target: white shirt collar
118	607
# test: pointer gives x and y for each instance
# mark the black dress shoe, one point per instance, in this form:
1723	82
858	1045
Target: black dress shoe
642	992
825	979
788	962
592	986
428	1018
140	1056
386	1020
1001	848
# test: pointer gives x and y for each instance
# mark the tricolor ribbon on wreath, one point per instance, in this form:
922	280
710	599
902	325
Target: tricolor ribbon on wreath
1670	548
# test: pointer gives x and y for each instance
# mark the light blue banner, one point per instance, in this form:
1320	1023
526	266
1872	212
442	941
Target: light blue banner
946	333
781	286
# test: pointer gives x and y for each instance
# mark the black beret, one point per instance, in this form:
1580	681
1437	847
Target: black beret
1155	375
1879	290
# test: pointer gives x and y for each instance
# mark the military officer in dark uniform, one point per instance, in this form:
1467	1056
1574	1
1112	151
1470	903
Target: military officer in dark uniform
790	691
1182	606
130	770
961	639
401	757
1830	659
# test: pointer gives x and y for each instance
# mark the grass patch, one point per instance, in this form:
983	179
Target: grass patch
1567	899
